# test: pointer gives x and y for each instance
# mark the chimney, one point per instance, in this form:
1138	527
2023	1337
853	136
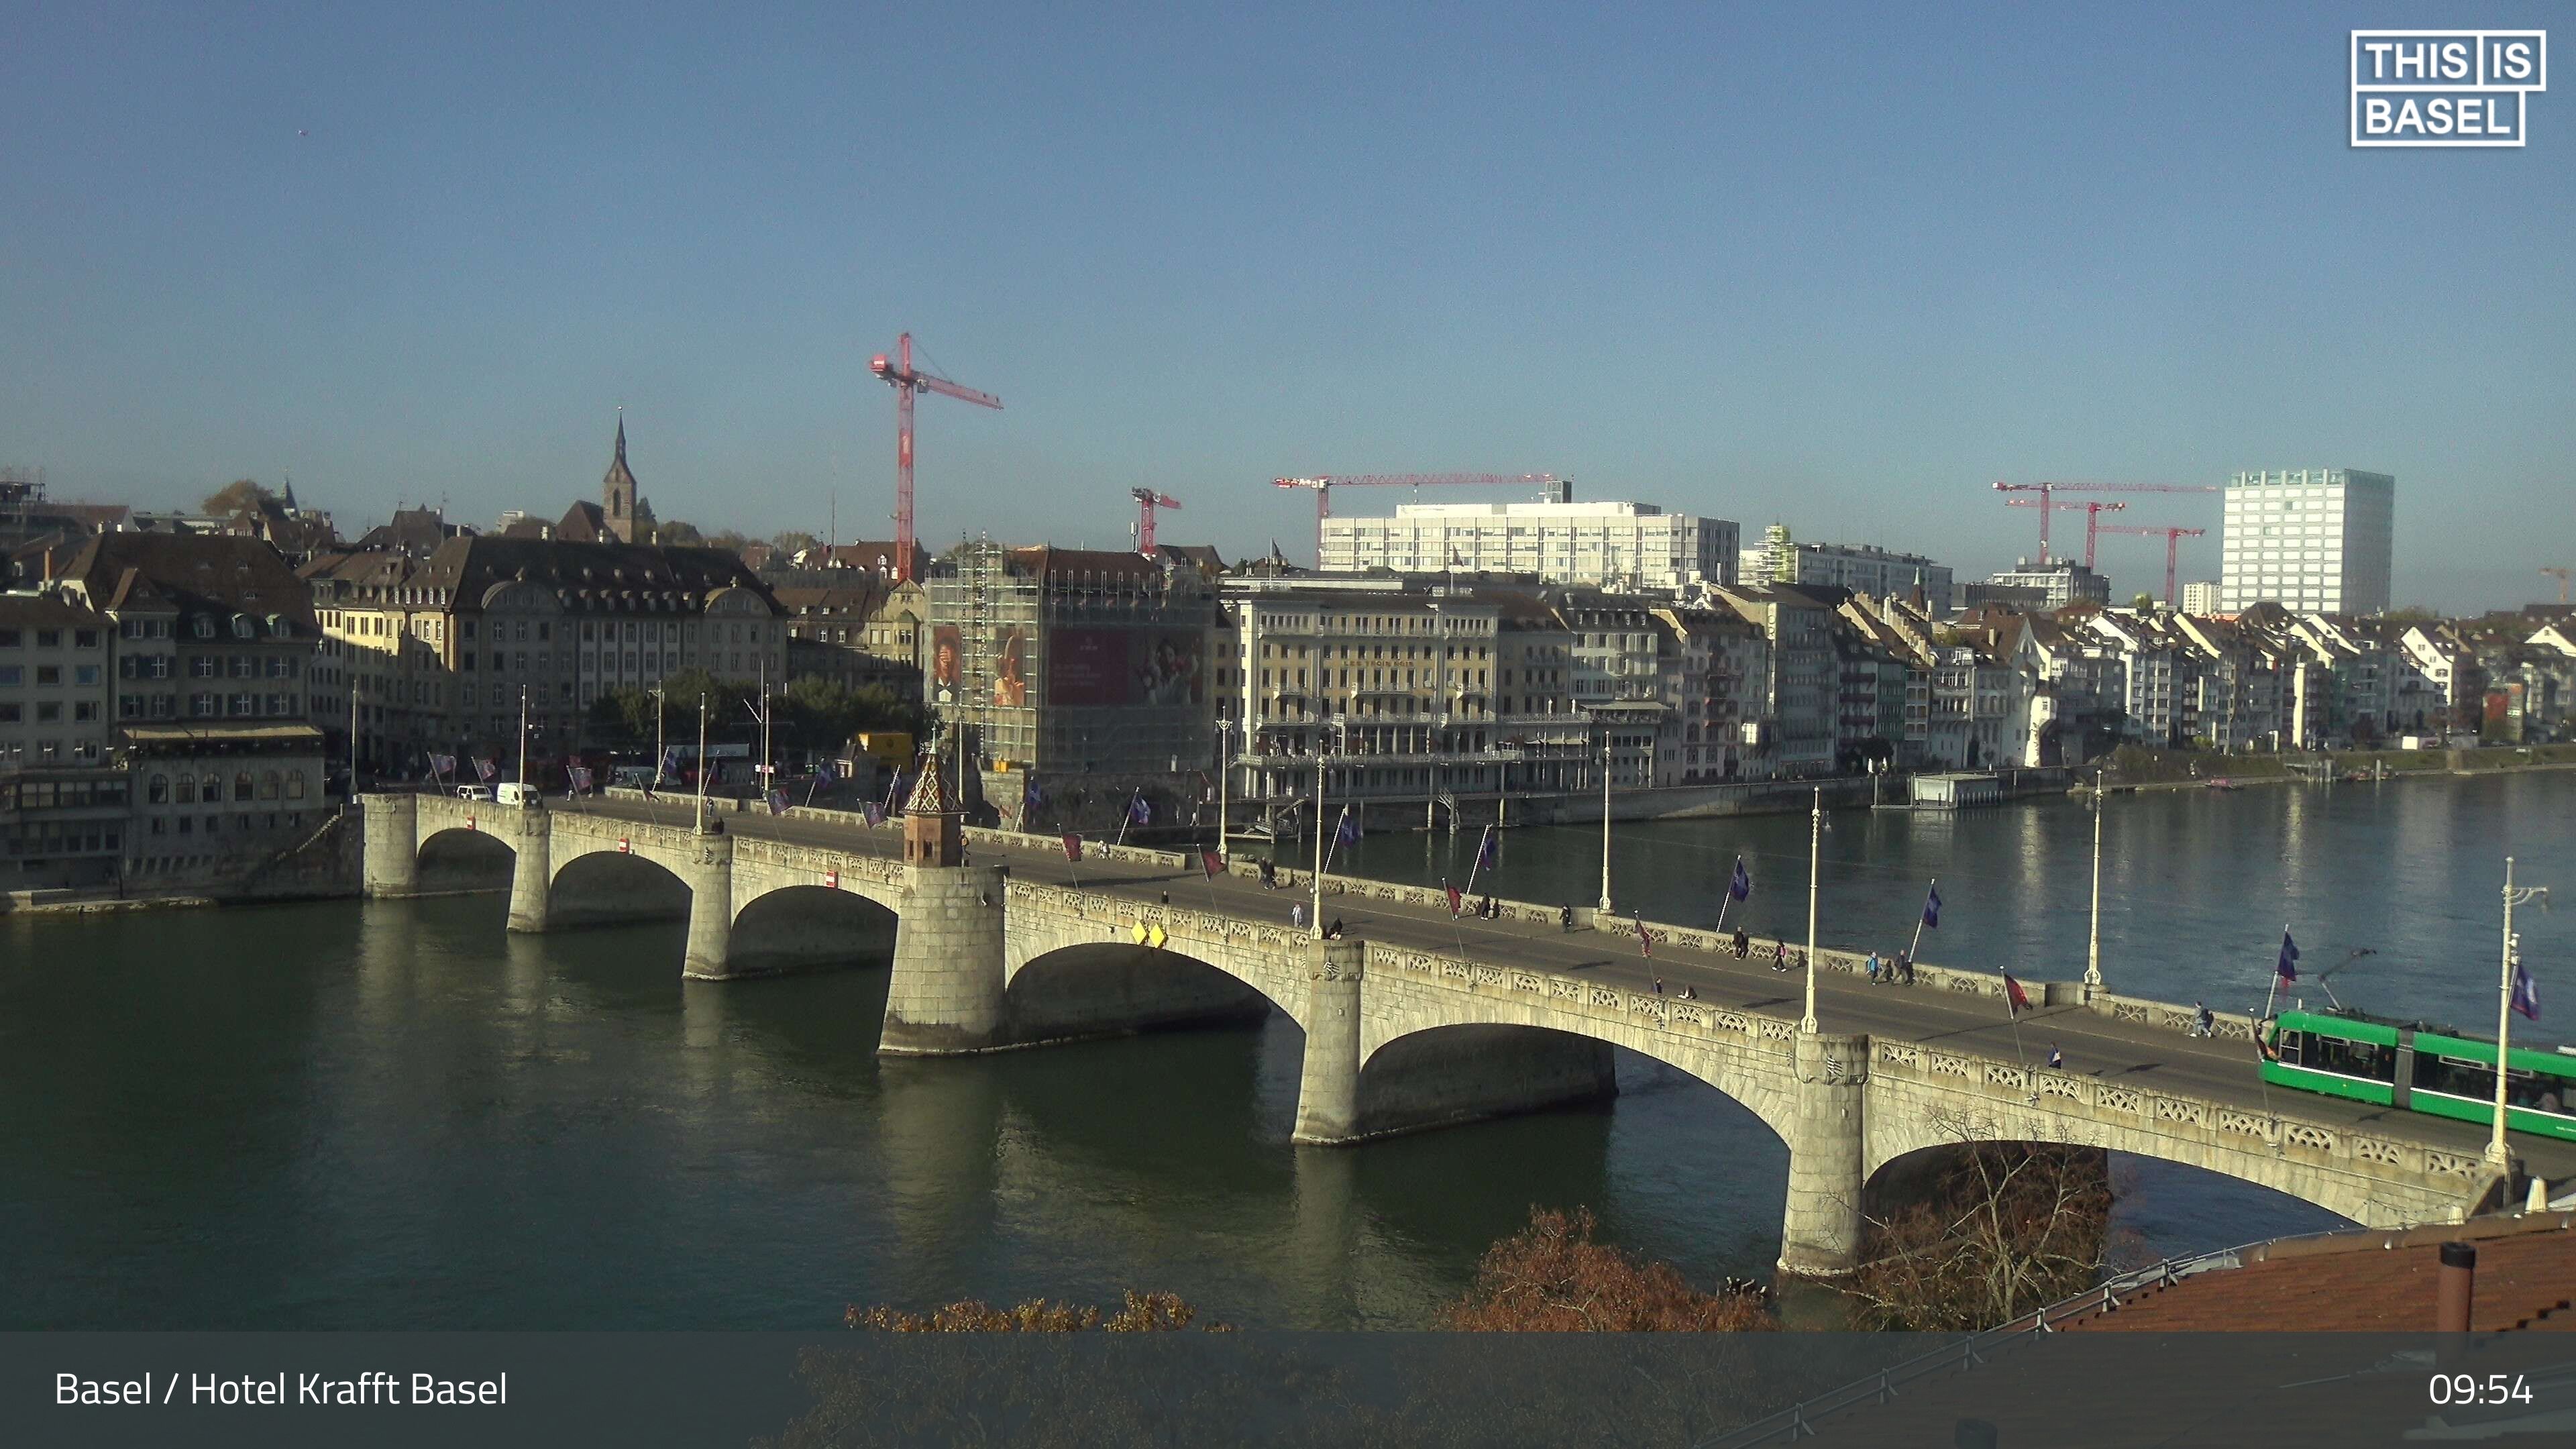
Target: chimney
49	563
2452	1292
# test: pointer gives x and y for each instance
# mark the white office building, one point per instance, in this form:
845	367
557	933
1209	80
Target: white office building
1863	568
2313	540
1634	547
2200	597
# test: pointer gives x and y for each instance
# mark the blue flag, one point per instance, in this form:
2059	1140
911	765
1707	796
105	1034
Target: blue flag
1740	885
2287	966
1140	810
1932	909
2526	995
1485	850
1031	797
823	775
1348	832
875	813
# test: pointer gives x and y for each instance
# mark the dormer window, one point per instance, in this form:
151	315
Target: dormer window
242	628
205	628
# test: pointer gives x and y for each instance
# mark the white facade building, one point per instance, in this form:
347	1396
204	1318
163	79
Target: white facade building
2309	539
1623	546
1863	568
2200	598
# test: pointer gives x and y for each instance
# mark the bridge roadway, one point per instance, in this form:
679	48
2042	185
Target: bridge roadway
1894	1072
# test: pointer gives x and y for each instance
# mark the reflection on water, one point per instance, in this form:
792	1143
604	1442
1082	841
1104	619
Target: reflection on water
336	1116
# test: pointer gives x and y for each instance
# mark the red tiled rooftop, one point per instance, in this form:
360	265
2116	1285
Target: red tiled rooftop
2370	1282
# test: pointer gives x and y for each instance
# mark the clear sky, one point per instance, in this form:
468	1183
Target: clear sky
1837	267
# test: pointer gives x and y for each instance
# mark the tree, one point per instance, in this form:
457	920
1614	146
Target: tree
726	539
794	540
1551	1277
240	496
2143	602
2004	1229
674	533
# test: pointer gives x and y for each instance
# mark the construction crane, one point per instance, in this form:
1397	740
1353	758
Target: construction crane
1324	487
2173	538
1147	500
907	380
2561	576
2092	520
2050	489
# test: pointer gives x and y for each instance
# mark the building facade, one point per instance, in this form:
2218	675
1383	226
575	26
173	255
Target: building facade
1861	568
2200	597
1629	547
62	805
2308	539
2056	582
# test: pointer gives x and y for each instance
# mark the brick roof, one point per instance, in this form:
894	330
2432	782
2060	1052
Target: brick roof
2371	1281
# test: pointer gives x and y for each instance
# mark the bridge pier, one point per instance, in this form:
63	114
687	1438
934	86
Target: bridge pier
531	835
708	872
945	997
391	844
1328	1082
1821	1227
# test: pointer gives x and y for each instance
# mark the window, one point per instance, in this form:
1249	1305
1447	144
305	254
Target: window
295	784
158	791
268	785
241	785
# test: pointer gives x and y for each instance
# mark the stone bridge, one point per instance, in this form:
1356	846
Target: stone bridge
1399	1036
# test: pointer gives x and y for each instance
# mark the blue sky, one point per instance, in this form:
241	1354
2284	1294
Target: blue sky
1838	267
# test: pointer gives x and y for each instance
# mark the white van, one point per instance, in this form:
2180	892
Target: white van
514	793
473	792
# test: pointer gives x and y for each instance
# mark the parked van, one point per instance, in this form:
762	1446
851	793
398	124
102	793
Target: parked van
473	792
515	793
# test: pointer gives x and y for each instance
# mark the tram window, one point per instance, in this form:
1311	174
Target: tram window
2454	1077
2367	1060
2291	1044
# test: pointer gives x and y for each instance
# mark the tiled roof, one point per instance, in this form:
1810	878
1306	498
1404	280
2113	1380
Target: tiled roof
2371	1281
218	574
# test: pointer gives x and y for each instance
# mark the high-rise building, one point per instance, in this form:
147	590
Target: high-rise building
1862	568
2200	597
1632	546
2308	539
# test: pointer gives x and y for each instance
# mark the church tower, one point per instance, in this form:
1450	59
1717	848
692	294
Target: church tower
624	515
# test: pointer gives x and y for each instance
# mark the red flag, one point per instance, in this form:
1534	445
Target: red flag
2016	1000
1212	863
1072	846
1457	902
1645	938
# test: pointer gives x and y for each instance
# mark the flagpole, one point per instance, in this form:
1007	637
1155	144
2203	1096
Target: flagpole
1916	949
2504	1008
2274	990
702	765
1127	818
1474	865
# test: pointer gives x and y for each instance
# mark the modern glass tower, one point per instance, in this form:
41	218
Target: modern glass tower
2309	539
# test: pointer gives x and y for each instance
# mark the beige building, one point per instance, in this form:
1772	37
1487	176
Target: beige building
443	651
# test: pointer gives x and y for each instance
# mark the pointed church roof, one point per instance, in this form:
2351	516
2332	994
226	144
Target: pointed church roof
618	472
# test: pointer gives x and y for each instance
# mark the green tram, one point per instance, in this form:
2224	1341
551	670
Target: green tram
2413	1067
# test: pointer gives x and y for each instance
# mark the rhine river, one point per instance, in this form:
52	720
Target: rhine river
392	1115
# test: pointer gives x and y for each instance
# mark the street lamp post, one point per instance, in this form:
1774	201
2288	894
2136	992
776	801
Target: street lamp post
702	765
2504	1004
659	753
1605	816
1224	766
1815	887
523	745
1321	829
2093	945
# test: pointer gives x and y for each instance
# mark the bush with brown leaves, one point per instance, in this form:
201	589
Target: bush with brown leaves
1551	1277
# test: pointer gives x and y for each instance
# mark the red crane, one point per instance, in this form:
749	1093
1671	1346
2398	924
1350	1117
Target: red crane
2050	489
1147	500
2173	538
906	380
2092	521
1324	487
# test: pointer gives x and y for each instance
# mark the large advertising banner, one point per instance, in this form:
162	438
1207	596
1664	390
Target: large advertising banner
1086	668
1124	668
947	659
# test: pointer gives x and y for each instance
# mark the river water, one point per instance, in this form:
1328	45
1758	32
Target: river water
393	1115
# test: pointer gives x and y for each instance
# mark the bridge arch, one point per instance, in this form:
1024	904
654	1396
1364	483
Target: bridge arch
792	926
1418	1073
457	858
610	887
1904	1122
1098	988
